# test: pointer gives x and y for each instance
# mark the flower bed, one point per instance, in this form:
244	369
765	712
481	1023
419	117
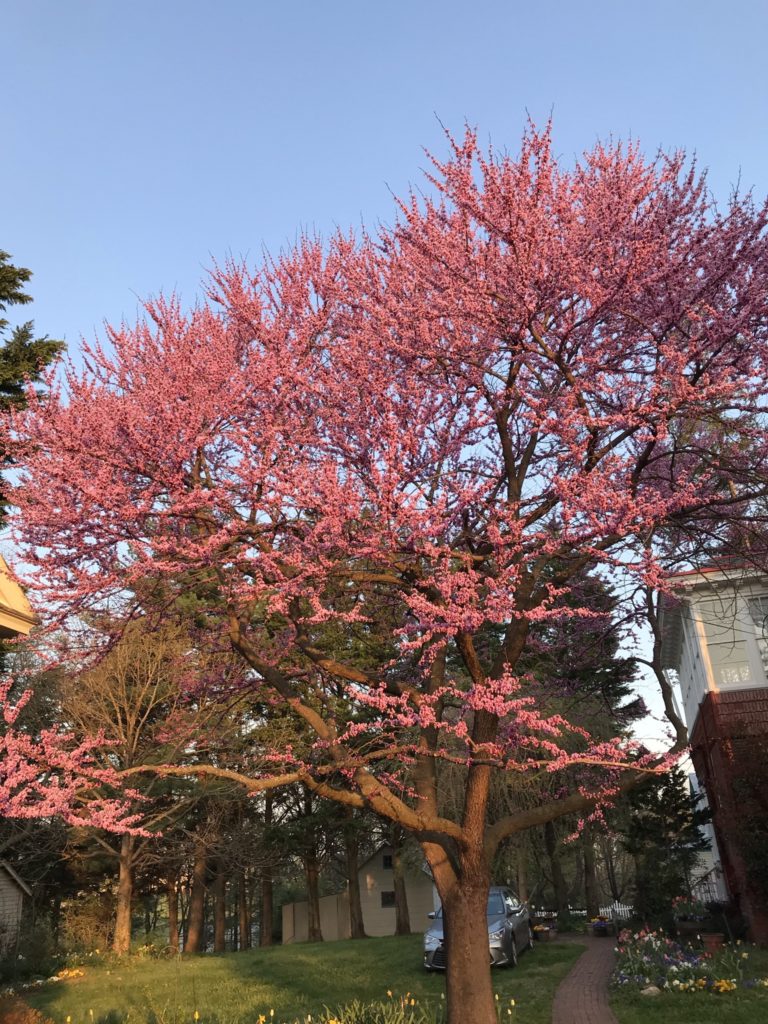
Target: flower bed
649	958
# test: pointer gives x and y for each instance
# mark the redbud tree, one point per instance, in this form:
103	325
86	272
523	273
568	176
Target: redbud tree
409	445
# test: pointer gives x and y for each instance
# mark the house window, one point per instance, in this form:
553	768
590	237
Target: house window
387	898
758	612
387	861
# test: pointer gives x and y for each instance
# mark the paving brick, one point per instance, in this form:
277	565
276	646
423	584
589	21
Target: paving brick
582	998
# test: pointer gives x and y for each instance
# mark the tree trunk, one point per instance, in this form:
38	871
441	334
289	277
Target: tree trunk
591	892
219	910
351	849
558	878
522	873
196	924
610	869
312	872
265	887
402	917
244	912
121	944
173	915
464	897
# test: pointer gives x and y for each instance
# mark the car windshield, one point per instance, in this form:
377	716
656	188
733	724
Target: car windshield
495	906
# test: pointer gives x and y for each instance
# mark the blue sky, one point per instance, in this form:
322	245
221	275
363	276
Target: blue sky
141	139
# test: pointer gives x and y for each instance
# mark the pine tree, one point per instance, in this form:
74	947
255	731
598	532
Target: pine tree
22	356
664	816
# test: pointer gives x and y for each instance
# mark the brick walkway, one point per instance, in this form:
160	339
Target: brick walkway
583	997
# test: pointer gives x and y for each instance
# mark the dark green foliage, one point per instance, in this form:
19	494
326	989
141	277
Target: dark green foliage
22	356
664	836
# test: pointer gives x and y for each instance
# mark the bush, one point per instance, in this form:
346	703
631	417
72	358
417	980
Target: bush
35	954
87	922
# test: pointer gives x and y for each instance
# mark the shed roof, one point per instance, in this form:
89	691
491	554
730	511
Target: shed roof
9	871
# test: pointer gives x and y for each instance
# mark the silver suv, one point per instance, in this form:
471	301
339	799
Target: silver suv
509	931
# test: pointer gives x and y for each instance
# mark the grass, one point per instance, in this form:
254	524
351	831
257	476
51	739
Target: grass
743	1006
293	980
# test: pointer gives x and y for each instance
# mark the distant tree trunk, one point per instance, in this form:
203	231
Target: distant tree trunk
402	917
244	912
173	914
121	943
558	878
219	910
610	870
522	873
56	919
591	892
312	873
265	887
352	849
196	924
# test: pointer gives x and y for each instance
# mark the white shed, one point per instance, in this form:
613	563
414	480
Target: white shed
12	893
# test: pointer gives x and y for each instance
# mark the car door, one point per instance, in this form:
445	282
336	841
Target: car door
517	917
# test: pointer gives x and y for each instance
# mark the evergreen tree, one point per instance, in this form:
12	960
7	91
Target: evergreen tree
22	356
664	816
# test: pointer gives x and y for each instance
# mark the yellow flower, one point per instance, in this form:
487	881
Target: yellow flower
413	1002
195	1015
389	992
262	1019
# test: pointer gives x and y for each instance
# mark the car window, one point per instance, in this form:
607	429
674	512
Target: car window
498	904
510	903
495	904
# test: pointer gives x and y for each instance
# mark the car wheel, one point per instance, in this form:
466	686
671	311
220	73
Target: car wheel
513	953
530	937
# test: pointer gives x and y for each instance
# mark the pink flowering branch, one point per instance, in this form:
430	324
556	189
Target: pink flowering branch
55	775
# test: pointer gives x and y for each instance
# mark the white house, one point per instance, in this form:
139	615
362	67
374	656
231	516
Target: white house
715	646
377	899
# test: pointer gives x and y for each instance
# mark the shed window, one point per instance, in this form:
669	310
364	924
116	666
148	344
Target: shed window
387	861
387	898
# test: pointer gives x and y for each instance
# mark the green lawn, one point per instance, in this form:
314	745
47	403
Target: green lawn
739	1007
293	980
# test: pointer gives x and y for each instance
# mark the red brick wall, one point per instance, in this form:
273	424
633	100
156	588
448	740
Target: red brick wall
729	741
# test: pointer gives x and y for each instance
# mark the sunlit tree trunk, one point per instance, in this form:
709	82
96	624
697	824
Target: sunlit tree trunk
196	924
121	942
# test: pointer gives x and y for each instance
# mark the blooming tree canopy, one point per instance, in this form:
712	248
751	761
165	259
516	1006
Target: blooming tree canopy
423	436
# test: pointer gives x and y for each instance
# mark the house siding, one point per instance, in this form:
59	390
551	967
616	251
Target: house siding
375	879
11	901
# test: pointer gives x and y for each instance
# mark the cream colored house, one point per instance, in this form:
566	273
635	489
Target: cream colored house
12	893
377	897
16	615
